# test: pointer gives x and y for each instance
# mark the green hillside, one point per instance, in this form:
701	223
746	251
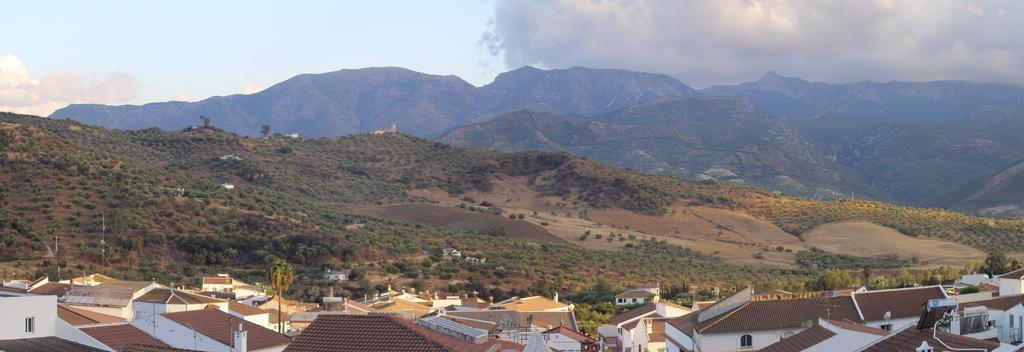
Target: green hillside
167	217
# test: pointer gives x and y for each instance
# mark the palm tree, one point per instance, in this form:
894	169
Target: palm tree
280	277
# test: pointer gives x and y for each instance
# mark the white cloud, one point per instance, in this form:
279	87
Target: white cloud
21	93
724	41
251	88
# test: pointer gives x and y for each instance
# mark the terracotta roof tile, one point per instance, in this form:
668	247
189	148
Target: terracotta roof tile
532	304
78	317
796	343
1003	303
634	313
570	333
543	320
1016	275
146	348
117	336
351	333
781	314
849	325
217	280
220	326
901	303
910	338
635	294
44	344
657	333
51	288
244	309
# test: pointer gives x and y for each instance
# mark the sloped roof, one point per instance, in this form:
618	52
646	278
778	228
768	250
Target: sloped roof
220	326
398	305
532	304
635	294
849	325
217	280
117	336
570	333
51	288
539	319
1016	275
771	315
910	338
78	317
99	296
147	348
132	285
244	309
801	341
768	315
901	302
171	296
352	333
1002	303
634	313
44	344
657	333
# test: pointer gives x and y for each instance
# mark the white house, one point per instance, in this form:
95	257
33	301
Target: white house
166	300
336	275
1010	283
996	318
565	339
225	284
635	329
109	297
251	314
738	322
633	297
211	330
32	320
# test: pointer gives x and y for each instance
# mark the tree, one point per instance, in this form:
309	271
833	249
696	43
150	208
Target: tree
206	120
833	279
996	263
280	277
866	275
265	130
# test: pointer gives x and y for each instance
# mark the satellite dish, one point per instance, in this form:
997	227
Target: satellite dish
887	316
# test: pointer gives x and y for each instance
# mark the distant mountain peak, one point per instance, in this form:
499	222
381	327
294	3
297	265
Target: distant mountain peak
774	77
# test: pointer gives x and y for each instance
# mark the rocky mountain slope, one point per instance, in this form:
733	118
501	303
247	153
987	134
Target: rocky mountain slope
939	101
351	101
722	138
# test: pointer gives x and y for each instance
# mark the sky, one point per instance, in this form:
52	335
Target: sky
116	52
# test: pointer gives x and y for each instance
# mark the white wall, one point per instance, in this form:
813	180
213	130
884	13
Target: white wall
897	323
1009	287
731	341
122	312
177	335
14	311
562	343
675	335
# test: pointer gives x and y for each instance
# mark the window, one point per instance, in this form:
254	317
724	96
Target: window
30	325
886	327
746	341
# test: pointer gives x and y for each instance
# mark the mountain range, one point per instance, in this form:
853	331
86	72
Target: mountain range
951	144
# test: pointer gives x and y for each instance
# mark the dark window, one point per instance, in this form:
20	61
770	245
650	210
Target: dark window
30	325
746	341
886	327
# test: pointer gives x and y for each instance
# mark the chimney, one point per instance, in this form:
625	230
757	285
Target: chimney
555	296
241	339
